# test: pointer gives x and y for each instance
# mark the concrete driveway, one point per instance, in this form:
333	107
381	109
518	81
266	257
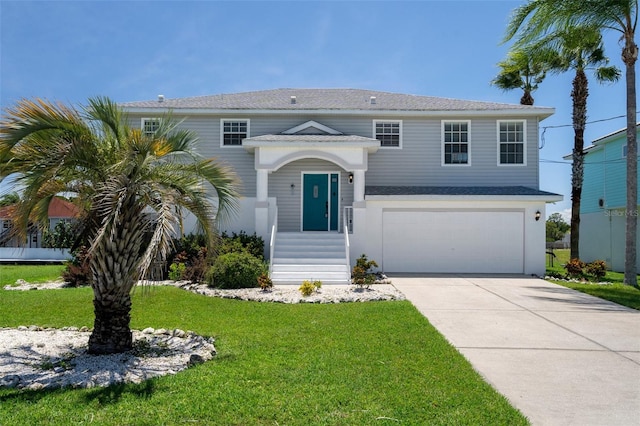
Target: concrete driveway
560	356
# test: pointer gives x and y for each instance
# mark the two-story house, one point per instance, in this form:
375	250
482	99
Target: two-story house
419	184
604	200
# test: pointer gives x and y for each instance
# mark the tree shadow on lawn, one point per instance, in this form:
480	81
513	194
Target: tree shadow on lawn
570	296
113	394
104	395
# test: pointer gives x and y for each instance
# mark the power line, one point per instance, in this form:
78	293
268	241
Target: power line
544	128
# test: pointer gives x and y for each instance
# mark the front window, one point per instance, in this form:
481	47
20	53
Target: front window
511	142
150	126
389	133
455	142
234	131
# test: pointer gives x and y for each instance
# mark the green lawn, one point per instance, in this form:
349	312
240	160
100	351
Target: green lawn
376	363
616	292
9	274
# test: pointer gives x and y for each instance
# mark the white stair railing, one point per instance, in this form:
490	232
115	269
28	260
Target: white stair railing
272	242
347	218
347	251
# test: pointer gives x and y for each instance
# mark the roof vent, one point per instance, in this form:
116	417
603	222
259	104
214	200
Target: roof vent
373	100
160	98
293	100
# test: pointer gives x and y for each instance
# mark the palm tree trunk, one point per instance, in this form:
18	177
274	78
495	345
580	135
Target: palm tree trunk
111	332
579	95
526	98
629	57
114	264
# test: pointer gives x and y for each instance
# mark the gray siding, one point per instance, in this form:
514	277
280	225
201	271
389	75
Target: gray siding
418	163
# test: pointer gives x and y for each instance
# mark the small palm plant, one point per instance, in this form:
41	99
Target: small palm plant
127	184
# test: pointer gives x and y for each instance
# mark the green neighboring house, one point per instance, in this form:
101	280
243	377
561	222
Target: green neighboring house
603	209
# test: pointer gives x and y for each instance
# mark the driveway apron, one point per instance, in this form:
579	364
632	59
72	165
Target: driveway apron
560	356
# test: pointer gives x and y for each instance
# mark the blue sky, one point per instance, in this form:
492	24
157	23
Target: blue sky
135	50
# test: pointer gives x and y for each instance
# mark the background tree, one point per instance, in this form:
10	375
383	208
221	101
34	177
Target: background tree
119	176
539	17
576	49
556	227
9	199
520	71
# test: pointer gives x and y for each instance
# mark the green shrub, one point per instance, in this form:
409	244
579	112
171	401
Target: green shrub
176	271
309	287
597	269
253	244
574	268
235	270
361	274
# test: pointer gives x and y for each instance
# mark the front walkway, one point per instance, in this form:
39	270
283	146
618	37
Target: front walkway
560	356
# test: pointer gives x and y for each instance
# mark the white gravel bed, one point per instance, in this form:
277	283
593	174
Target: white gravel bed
35	358
291	294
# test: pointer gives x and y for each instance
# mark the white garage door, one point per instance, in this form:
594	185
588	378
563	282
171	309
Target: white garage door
453	241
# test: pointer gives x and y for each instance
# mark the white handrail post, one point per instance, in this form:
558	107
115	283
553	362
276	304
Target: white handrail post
347	252
272	241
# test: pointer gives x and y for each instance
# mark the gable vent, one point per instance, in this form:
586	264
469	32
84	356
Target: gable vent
373	100
293	100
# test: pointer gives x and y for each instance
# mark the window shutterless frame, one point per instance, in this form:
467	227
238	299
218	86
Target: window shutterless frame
456	143
511	138
149	125
388	132
233	131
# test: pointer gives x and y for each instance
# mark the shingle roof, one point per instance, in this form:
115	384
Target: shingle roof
456	190
58	208
327	99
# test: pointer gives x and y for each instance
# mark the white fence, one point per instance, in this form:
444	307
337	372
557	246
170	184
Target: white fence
20	254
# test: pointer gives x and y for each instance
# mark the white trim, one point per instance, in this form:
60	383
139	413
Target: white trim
442	144
399	122
315	125
320	172
524	143
223	120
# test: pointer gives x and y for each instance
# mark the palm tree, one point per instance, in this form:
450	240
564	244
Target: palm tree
520	71
127	184
539	17
577	49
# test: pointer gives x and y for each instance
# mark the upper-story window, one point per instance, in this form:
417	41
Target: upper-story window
455	142
233	131
150	125
512	142
388	132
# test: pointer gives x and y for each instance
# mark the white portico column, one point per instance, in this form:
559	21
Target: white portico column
262	203
358	186
358	238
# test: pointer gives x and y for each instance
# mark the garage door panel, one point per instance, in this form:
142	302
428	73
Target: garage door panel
453	241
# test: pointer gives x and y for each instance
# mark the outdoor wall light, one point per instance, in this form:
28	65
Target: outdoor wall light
293	186
538	214
350	177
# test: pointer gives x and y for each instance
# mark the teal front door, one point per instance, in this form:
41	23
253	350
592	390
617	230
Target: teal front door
320	202
315	203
